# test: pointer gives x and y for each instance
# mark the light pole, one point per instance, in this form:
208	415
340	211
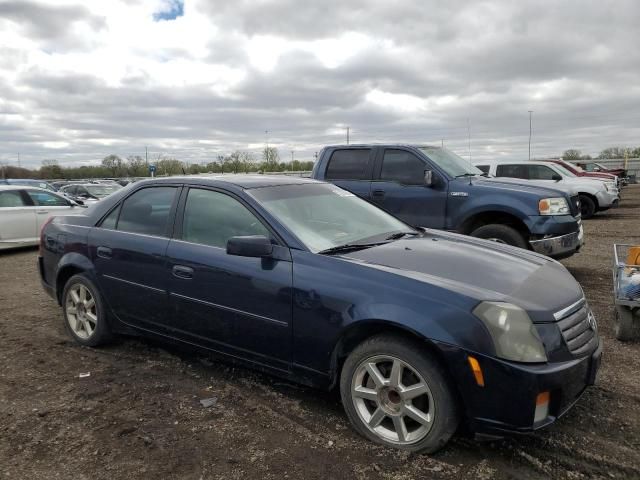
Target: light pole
530	112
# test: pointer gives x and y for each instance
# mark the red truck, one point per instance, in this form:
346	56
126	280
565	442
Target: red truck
581	172
599	168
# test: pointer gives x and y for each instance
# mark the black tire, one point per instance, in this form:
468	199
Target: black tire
415	357
501	234
625	327
587	206
101	332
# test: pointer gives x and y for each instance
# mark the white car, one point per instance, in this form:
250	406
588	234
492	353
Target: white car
595	195
23	212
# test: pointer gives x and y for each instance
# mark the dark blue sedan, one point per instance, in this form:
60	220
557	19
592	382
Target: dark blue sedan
419	329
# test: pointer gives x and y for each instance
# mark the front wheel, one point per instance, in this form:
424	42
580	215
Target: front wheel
84	313
587	207
501	234
395	393
625	326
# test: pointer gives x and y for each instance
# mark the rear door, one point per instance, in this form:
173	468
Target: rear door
48	204
128	251
351	169
399	188
512	171
17	219
241	306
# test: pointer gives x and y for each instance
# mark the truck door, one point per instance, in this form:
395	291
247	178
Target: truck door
351	169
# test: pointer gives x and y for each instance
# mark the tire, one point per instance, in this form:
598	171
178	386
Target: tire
433	402
587	206
501	234
624	327
85	319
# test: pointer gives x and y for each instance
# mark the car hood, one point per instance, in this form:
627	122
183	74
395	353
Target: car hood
585	182
519	185
479	269
569	189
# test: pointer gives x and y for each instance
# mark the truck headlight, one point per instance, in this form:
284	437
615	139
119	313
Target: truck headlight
553	206
513	333
610	186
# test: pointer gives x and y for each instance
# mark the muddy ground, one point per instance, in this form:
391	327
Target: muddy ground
138	414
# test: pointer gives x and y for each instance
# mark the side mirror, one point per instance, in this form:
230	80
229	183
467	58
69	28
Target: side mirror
596	169
250	246
428	178
556	177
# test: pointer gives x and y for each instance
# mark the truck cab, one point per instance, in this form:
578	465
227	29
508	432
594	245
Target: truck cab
433	187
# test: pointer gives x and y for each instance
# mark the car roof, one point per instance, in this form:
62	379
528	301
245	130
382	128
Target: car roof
243	181
511	162
22	187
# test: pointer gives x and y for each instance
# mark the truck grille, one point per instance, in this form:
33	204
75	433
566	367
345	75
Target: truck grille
579	330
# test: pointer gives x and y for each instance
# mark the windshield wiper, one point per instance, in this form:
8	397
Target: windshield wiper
398	235
466	175
349	247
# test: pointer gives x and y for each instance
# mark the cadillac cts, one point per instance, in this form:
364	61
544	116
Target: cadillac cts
420	330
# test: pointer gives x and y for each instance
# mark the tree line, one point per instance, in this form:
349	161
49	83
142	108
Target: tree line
137	166
608	153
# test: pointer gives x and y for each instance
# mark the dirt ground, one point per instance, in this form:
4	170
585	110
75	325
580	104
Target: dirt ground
138	414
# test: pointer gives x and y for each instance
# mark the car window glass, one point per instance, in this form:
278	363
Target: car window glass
11	199
47	199
403	167
147	211
513	171
349	165
212	218
111	219
484	168
540	172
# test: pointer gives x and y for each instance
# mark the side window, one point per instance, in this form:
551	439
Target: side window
403	167
111	219
484	168
349	165
147	211
212	218
11	198
46	199
540	172
513	171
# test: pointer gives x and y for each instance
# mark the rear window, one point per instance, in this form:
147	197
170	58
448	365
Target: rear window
513	171
352	164
484	168
11	199
146	212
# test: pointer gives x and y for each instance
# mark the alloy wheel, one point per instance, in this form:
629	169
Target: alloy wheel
81	311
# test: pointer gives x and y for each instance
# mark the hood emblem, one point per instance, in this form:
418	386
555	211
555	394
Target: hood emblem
459	194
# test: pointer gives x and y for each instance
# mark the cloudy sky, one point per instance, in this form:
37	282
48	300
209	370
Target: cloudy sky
194	79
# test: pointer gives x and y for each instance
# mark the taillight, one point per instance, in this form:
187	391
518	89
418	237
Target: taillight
44	225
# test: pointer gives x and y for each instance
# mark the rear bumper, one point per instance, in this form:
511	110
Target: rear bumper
559	246
507	402
51	291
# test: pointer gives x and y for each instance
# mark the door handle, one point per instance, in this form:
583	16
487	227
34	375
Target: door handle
42	212
180	271
105	252
378	193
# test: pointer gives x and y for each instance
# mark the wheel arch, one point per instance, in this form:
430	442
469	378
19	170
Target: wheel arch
592	197
479	219
70	265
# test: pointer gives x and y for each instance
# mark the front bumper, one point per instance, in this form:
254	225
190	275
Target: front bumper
559	246
608	199
507	402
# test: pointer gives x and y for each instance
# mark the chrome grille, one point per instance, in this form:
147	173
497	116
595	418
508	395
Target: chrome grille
579	330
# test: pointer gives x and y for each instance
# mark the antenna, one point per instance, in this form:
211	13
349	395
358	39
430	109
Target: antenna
469	135
530	112
348	128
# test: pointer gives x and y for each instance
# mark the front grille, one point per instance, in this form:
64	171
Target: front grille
579	330
575	205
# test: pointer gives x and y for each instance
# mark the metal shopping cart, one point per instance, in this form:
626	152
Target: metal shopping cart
626	291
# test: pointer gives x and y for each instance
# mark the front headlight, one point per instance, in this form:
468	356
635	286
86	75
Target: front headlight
610	185
513	333
553	206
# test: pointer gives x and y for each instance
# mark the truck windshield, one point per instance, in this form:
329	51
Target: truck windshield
451	163
564	171
324	216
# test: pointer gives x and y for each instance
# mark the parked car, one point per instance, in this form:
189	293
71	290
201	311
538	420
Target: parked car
89	193
23	211
579	172
595	195
598	167
29	182
435	188
419	329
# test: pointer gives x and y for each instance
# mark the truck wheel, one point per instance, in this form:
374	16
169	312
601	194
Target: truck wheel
397	394
624	327
84	312
587	207
501	234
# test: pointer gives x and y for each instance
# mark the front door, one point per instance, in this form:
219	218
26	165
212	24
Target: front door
128	251
399	189
237	305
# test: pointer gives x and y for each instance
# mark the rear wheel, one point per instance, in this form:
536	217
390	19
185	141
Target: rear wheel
624	327
587	206
84	312
501	234
395	393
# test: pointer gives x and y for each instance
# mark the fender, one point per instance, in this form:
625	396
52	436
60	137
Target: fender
519	211
76	261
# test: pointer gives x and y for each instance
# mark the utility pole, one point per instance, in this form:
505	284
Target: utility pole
469	135
146	155
442	142
530	112
348	128
266	137
292	155
19	166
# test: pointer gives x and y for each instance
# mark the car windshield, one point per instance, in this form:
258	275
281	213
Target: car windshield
451	163
324	216
575	167
563	170
101	190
